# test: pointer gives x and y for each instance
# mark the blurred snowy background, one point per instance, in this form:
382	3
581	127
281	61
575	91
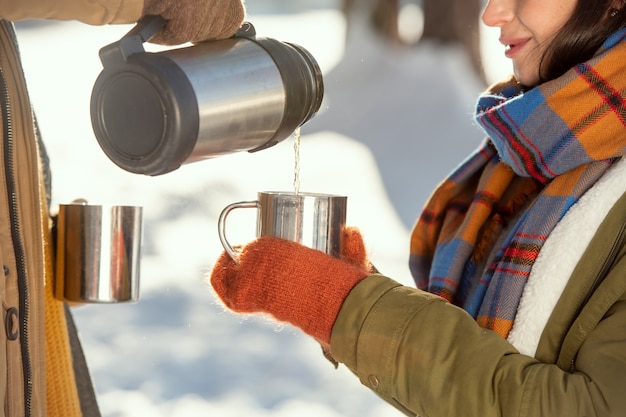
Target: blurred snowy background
394	121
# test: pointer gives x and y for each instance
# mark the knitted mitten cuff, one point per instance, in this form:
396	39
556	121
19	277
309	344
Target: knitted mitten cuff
195	20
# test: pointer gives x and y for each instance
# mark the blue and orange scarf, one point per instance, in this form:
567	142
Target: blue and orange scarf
546	147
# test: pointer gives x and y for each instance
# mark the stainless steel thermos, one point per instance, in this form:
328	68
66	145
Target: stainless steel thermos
154	111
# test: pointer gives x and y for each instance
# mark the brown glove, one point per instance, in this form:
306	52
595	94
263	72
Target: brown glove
195	20
293	283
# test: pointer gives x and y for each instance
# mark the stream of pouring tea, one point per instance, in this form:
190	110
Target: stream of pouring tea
296	169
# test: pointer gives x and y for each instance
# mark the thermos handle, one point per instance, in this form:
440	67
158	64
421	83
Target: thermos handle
118	52
132	43
221	224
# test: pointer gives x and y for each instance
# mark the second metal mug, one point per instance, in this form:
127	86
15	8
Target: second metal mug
98	253
313	220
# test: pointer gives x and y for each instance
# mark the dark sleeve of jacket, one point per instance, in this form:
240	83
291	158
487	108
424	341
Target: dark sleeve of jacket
430	358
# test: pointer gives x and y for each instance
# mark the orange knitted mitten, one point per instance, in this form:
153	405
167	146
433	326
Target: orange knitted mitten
293	283
195	20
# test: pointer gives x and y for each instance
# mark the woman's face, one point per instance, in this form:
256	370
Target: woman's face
526	28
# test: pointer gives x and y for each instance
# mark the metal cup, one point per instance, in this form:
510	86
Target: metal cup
98	253
313	220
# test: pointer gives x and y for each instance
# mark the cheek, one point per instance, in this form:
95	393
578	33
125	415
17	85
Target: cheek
544	20
558	19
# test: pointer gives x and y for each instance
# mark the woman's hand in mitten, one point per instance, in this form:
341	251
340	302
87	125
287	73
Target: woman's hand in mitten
293	283
195	20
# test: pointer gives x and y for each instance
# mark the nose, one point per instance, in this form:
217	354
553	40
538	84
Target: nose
498	12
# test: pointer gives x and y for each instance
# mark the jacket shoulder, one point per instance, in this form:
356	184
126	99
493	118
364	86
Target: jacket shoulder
99	12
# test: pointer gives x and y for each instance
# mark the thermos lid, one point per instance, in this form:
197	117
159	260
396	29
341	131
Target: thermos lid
143	109
144	114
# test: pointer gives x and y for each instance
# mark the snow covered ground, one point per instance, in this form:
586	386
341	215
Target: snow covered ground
393	123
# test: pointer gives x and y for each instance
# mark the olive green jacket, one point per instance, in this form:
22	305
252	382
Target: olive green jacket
430	358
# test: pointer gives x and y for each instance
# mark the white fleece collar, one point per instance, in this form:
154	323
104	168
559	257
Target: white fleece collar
560	254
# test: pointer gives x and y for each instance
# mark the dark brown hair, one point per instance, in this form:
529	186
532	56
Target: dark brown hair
580	38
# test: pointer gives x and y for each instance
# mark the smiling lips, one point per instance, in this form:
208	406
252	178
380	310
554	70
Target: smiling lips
513	45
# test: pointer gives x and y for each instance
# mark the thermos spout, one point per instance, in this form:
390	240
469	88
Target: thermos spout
153	112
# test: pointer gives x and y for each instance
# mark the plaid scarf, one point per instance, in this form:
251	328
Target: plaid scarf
545	148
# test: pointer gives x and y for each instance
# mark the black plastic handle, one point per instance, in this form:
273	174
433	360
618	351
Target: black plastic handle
132	43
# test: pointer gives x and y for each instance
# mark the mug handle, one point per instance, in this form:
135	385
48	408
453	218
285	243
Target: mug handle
221	224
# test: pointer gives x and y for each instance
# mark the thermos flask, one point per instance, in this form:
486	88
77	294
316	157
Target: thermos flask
151	112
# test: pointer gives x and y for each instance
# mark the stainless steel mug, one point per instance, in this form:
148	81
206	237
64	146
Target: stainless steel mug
98	253
313	220
151	112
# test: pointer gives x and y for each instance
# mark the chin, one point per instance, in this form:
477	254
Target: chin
526	80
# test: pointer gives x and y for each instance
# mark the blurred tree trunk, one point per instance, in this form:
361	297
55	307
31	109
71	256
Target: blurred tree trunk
445	21
454	21
385	18
383	15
